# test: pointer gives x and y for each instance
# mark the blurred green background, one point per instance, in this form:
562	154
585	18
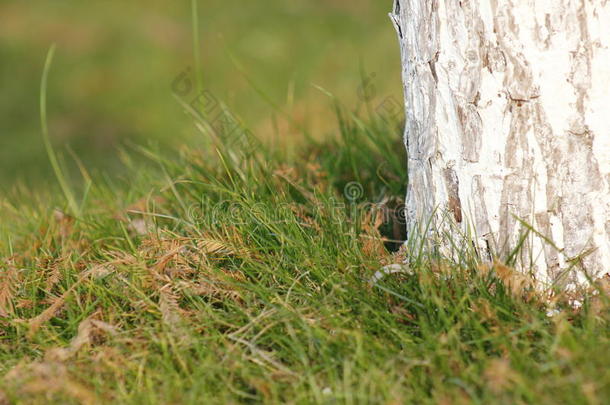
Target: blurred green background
111	79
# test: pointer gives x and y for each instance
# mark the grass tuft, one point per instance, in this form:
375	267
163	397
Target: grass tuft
242	274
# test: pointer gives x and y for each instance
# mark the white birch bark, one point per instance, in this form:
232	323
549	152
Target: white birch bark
508	116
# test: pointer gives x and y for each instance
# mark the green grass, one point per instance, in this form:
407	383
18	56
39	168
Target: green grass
237	269
115	64
240	273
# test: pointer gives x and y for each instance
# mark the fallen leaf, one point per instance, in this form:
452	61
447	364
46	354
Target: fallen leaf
88	331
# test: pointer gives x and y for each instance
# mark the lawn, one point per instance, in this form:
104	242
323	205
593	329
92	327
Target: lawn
261	259
241	274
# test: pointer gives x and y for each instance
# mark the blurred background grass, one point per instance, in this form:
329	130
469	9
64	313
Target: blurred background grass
111	80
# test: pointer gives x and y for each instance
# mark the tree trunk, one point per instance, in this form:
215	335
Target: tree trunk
508	126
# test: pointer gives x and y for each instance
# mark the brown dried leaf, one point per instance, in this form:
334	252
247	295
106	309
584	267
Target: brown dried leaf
210	288
482	307
168	304
287	172
9	278
54	271
23	303
517	282
64	222
212	246
171	313
499	375
165	259
484	269
47	378
36	322
101	270
371	239
89	330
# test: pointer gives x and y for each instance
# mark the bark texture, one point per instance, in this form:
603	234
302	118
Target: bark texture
508	119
